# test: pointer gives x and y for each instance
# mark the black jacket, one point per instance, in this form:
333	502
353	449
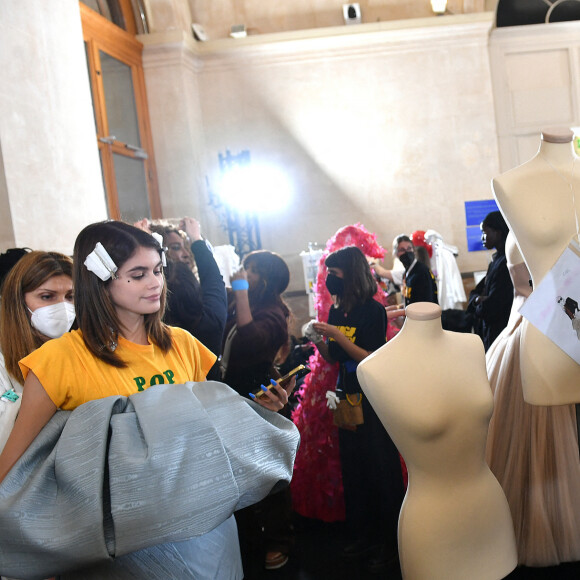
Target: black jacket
203	315
494	311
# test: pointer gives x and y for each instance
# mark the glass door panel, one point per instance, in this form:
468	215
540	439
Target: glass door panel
132	188
120	100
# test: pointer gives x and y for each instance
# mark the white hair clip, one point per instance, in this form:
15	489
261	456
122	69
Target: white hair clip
159	239
100	263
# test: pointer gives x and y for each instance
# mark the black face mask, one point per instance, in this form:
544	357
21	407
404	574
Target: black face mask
407	259
334	284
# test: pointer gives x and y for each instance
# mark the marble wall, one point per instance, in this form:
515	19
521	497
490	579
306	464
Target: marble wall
387	124
392	127
51	184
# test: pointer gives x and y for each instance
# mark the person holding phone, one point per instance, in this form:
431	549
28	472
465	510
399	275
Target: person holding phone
257	328
371	469
256	338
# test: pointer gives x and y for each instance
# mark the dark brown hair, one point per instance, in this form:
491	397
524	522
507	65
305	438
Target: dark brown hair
96	314
274	275
422	256
359	284
17	336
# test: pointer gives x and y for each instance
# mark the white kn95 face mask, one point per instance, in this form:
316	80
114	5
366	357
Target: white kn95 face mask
53	320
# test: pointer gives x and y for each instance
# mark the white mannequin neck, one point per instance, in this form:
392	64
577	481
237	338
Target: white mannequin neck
556	147
423	319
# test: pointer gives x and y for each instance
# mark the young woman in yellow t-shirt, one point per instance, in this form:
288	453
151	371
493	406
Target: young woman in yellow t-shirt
122	346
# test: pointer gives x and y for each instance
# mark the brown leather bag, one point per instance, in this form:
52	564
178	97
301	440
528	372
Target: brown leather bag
348	413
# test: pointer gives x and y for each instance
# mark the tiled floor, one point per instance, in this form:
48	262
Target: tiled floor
316	557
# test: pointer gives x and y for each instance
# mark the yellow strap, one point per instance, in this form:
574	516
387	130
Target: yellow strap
358	402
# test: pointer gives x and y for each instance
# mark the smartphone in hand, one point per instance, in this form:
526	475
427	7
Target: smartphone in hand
298	372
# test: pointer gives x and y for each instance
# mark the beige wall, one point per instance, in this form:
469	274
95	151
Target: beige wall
51	185
259	17
173	95
391	127
386	124
536	85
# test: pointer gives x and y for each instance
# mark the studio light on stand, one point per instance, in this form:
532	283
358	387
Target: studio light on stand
439	7
244	191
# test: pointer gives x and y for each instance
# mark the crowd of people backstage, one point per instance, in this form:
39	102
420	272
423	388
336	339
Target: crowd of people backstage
357	326
247	326
489	305
119	299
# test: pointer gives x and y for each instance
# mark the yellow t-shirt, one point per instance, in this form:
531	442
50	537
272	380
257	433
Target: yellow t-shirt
72	375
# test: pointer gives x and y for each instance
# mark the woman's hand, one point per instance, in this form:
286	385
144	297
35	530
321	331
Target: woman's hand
378	268
239	274
192	228
243	310
143	225
276	397
325	329
352	350
329	331
395	311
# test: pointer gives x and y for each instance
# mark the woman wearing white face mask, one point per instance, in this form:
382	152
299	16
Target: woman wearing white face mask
36	305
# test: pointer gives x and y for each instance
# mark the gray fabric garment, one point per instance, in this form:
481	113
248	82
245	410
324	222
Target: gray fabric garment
213	556
120	474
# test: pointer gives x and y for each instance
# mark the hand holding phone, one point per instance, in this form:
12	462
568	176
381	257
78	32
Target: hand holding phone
298	372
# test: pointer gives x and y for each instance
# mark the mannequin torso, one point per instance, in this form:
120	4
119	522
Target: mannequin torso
537	200
455	521
520	276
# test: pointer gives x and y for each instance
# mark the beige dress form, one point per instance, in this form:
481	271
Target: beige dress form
537	201
429	388
532	450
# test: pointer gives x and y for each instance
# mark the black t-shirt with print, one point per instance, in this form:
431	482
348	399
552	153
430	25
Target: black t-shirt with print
420	285
366	326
